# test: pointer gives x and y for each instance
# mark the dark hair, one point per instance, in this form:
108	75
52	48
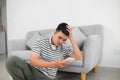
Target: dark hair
62	27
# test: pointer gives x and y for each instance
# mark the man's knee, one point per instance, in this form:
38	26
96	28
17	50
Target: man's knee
10	62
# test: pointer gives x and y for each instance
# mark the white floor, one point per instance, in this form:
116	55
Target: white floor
3	72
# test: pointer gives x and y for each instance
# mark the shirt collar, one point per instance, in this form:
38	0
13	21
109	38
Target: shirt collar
50	39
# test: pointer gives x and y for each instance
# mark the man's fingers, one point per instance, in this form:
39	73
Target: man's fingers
66	62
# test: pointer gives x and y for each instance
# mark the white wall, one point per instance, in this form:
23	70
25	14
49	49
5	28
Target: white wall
27	15
0	14
0	19
3	14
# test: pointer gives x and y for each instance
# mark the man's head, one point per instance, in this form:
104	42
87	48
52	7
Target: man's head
62	27
61	34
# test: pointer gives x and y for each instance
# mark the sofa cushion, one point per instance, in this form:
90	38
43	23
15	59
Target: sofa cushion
29	43
76	63
23	54
78	36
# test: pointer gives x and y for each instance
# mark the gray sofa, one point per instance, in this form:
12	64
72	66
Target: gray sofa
89	40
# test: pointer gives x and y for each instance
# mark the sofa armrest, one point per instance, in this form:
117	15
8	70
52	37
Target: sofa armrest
14	45
92	51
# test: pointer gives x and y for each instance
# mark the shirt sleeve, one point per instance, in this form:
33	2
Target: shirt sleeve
36	48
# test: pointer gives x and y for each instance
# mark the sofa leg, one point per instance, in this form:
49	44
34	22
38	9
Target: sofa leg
95	69
83	76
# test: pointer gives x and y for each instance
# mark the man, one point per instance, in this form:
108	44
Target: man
47	56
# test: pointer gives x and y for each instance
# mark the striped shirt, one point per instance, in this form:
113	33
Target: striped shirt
42	46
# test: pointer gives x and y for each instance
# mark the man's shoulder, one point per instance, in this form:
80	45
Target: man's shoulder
67	44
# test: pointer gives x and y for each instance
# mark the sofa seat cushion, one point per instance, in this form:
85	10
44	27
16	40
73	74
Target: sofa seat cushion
23	54
77	63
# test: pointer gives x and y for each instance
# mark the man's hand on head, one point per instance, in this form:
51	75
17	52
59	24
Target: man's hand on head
69	29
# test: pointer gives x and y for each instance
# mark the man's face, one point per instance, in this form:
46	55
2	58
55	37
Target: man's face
59	38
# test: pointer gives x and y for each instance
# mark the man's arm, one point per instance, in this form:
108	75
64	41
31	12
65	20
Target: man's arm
37	62
77	54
